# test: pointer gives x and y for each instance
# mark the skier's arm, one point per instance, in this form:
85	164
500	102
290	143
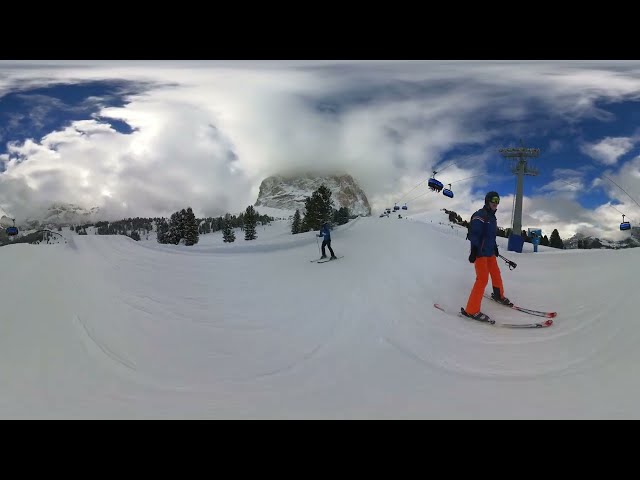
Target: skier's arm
477	228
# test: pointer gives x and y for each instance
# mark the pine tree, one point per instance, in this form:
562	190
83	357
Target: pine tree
326	204
162	227
544	241
191	236
555	241
318	208
295	225
343	216
310	214
239	221
174	235
182	223
228	235
304	226
250	220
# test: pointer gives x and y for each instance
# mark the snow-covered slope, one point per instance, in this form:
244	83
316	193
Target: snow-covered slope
106	327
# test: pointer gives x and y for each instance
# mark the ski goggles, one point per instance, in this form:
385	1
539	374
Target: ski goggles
495	200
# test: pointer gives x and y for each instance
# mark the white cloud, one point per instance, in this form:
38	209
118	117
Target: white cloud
559	207
623	187
608	150
207	133
566	181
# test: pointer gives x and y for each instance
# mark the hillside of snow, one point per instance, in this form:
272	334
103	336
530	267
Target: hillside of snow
107	327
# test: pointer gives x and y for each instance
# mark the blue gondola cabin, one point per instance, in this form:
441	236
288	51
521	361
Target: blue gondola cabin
12	231
435	185
625	225
447	193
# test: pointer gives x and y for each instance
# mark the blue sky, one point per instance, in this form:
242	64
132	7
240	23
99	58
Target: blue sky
585	150
34	112
148	138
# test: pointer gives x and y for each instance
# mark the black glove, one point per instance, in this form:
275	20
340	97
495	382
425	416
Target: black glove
474	253
495	250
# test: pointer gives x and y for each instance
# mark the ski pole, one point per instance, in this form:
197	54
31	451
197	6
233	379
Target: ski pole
511	264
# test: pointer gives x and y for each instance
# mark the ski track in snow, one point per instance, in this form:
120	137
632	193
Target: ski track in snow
229	324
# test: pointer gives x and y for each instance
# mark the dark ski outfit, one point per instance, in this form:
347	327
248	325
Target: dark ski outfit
326	233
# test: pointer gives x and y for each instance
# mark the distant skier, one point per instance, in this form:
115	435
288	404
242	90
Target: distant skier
326	233
484	250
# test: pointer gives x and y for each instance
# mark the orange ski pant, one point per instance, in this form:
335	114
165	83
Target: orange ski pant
485	266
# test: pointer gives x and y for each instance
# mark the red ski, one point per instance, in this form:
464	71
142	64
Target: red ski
537	313
546	323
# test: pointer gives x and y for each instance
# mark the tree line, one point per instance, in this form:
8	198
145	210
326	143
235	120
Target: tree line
319	208
184	226
181	227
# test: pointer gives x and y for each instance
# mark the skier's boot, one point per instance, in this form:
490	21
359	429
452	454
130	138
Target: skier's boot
481	317
500	299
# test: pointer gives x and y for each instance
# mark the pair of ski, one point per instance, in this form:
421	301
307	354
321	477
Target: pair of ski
325	260
537	313
528	311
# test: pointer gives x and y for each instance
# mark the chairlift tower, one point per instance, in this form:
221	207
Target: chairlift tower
520	155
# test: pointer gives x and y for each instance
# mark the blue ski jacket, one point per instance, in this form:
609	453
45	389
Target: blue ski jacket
482	235
325	232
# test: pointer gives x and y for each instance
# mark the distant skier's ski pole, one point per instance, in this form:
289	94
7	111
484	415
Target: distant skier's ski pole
511	264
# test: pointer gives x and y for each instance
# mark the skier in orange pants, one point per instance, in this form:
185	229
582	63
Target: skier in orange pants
484	252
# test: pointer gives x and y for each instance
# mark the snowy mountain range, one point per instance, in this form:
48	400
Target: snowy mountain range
595	242
288	192
280	192
63	214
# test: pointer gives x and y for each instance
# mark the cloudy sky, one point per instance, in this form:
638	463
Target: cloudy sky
148	138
